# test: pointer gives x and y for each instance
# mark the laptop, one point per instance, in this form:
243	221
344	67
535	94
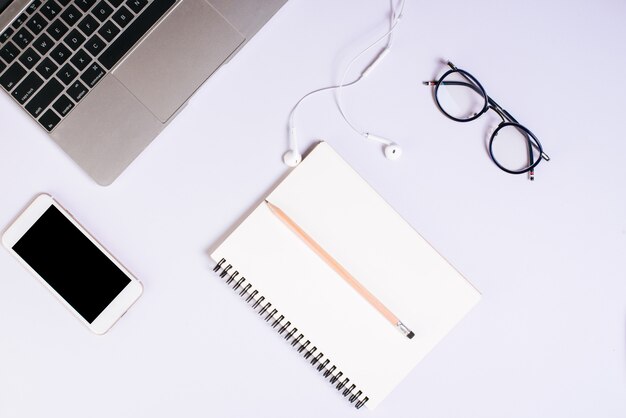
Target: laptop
105	77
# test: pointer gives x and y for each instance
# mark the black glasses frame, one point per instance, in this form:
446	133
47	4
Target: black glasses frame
490	104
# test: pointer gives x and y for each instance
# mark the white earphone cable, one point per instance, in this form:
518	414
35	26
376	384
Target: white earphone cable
392	18
395	18
395	21
292	115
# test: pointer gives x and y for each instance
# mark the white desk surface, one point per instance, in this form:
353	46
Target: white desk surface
547	340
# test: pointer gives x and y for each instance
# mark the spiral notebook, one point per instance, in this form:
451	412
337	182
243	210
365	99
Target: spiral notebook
305	301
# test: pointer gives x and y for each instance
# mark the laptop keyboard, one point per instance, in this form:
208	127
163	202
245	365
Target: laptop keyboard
55	52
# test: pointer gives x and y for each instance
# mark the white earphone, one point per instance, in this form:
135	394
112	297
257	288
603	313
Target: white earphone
391	150
292	158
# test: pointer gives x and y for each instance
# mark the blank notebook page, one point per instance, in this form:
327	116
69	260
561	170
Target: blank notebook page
343	214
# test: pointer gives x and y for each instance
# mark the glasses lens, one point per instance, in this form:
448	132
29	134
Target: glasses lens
460	96
511	146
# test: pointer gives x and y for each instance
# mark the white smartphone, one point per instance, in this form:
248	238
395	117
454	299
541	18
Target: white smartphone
67	260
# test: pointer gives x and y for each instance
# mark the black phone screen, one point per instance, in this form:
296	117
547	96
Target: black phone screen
71	264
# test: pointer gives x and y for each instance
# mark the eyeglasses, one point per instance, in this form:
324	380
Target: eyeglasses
512	147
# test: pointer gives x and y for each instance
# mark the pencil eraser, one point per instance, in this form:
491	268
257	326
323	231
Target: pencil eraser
411	335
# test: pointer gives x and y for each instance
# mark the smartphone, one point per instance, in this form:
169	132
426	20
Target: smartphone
67	260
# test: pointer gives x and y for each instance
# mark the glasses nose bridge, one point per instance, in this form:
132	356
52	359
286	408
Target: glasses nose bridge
496	108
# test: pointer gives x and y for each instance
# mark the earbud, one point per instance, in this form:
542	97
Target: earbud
392	150
292	158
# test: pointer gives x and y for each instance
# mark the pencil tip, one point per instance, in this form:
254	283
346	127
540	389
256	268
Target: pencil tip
411	335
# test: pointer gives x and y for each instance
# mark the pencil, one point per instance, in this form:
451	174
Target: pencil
341	271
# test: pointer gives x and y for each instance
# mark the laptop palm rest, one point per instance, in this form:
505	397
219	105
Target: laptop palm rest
180	54
107	131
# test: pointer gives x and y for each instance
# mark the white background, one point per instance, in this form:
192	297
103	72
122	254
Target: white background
547	340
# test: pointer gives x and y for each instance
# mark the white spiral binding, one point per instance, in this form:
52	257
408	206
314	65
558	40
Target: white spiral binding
300	342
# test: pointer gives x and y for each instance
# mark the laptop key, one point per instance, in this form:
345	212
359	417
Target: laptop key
44	98
71	15
102	11
92	75
43	44
57	30
67	74
64	2
88	25
12	76
95	45
63	105
3	66
49	120
75	39
81	60
37	23
23	38
60	54
109	31
27	88
33	7
85	5
123	16
51	9
77	91
6	35
47	68
134	32
20	19
9	52
136	5
29	58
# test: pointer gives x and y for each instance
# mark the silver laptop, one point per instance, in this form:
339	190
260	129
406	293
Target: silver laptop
104	77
